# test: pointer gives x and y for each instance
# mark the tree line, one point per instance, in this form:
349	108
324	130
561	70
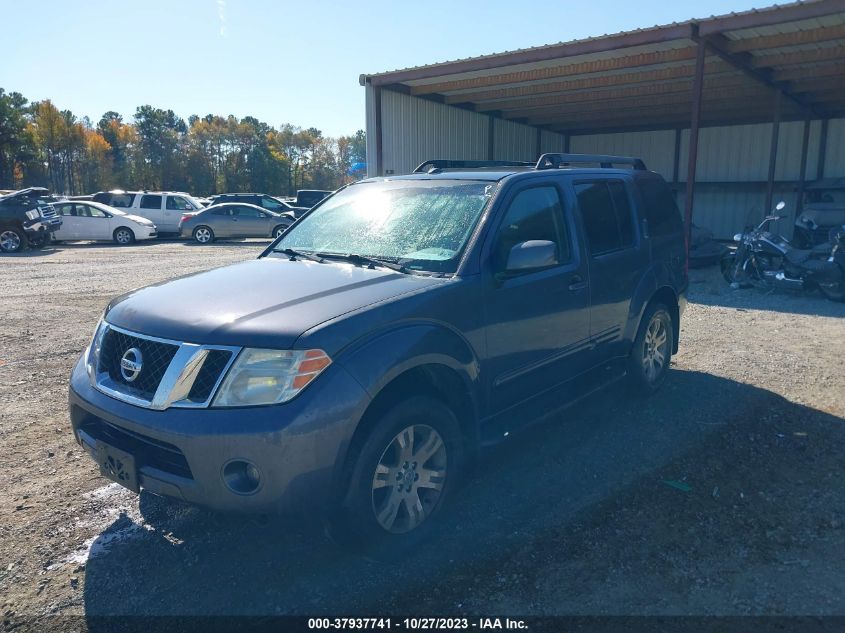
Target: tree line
41	145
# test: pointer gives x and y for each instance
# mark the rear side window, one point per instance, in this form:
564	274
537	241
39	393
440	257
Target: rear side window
219	210
119	200
662	213
606	212
151	202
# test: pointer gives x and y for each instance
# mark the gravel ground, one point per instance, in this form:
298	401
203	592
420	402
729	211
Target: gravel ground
721	495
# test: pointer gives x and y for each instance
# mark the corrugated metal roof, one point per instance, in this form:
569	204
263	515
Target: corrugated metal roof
800	42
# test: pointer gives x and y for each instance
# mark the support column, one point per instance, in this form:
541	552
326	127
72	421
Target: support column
695	121
379	140
822	150
539	142
802	170
676	164
491	138
773	153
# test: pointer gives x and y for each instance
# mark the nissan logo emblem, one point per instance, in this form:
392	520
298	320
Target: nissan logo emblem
131	364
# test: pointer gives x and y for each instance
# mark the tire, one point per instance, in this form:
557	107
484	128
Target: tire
12	240
648	363
123	236
729	272
387	509
279	230
203	234
834	292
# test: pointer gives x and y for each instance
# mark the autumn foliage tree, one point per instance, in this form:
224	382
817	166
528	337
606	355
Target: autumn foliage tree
156	149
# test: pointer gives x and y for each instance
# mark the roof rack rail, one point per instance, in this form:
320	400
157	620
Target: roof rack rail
554	161
430	165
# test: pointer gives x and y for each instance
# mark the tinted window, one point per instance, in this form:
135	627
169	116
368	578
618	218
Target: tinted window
534	214
178	203
84	211
662	213
151	202
606	213
119	200
219	210
247	212
273	205
65	209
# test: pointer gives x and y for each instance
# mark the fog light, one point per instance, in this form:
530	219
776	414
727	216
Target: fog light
241	477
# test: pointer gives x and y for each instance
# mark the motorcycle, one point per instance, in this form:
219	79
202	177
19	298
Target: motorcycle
767	259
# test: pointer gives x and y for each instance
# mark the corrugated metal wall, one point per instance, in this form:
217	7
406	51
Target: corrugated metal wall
733	161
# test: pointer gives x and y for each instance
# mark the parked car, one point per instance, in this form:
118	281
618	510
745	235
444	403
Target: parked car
233	220
27	217
162	208
823	210
83	220
271	203
357	366
307	198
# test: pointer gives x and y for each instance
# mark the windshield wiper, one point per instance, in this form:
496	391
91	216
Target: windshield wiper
364	260
304	254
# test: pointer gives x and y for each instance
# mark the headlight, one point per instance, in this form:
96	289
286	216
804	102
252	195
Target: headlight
268	376
33	214
738	237
92	354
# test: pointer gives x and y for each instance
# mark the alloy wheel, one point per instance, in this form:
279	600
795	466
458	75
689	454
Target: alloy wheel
123	237
409	478
655	348
10	241
202	235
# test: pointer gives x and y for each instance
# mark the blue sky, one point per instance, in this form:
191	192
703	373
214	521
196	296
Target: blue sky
283	61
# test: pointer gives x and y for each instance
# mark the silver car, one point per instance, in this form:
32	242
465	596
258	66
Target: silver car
233	220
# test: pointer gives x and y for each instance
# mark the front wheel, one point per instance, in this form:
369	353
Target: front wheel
405	469
12	240
124	236
277	232
733	272
652	351
203	234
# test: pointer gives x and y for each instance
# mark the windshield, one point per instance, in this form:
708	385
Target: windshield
422	224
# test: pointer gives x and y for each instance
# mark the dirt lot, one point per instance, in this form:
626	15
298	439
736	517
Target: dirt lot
722	495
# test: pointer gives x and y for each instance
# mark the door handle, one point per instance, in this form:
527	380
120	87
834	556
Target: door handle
576	283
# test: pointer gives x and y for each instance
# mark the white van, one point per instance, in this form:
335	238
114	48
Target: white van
163	208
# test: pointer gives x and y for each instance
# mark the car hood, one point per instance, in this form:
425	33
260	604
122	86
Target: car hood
267	302
138	219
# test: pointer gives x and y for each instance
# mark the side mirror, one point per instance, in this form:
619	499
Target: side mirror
530	255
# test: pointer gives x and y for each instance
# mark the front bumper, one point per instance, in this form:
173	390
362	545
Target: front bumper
298	447
42	225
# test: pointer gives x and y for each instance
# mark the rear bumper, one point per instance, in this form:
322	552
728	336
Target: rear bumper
297	447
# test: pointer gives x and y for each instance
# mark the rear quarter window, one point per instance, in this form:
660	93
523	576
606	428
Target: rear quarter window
664	218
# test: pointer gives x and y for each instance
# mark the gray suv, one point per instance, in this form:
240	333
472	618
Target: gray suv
360	363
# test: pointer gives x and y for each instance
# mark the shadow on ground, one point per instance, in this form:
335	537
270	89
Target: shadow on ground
518	537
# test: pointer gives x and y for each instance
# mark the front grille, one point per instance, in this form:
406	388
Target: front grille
208	375
146	450
156	358
48	212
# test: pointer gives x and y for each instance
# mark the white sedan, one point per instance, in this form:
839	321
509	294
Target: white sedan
97	221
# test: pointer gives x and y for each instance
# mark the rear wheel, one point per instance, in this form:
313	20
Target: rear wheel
834	291
403	473
124	236
652	351
12	240
203	234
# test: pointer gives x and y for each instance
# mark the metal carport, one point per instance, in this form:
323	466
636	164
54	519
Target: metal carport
649	92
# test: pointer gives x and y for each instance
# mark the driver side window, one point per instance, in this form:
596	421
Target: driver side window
533	214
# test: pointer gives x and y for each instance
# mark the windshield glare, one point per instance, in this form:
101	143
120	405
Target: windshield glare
422	224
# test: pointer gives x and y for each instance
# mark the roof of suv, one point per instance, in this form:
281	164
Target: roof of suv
490	170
